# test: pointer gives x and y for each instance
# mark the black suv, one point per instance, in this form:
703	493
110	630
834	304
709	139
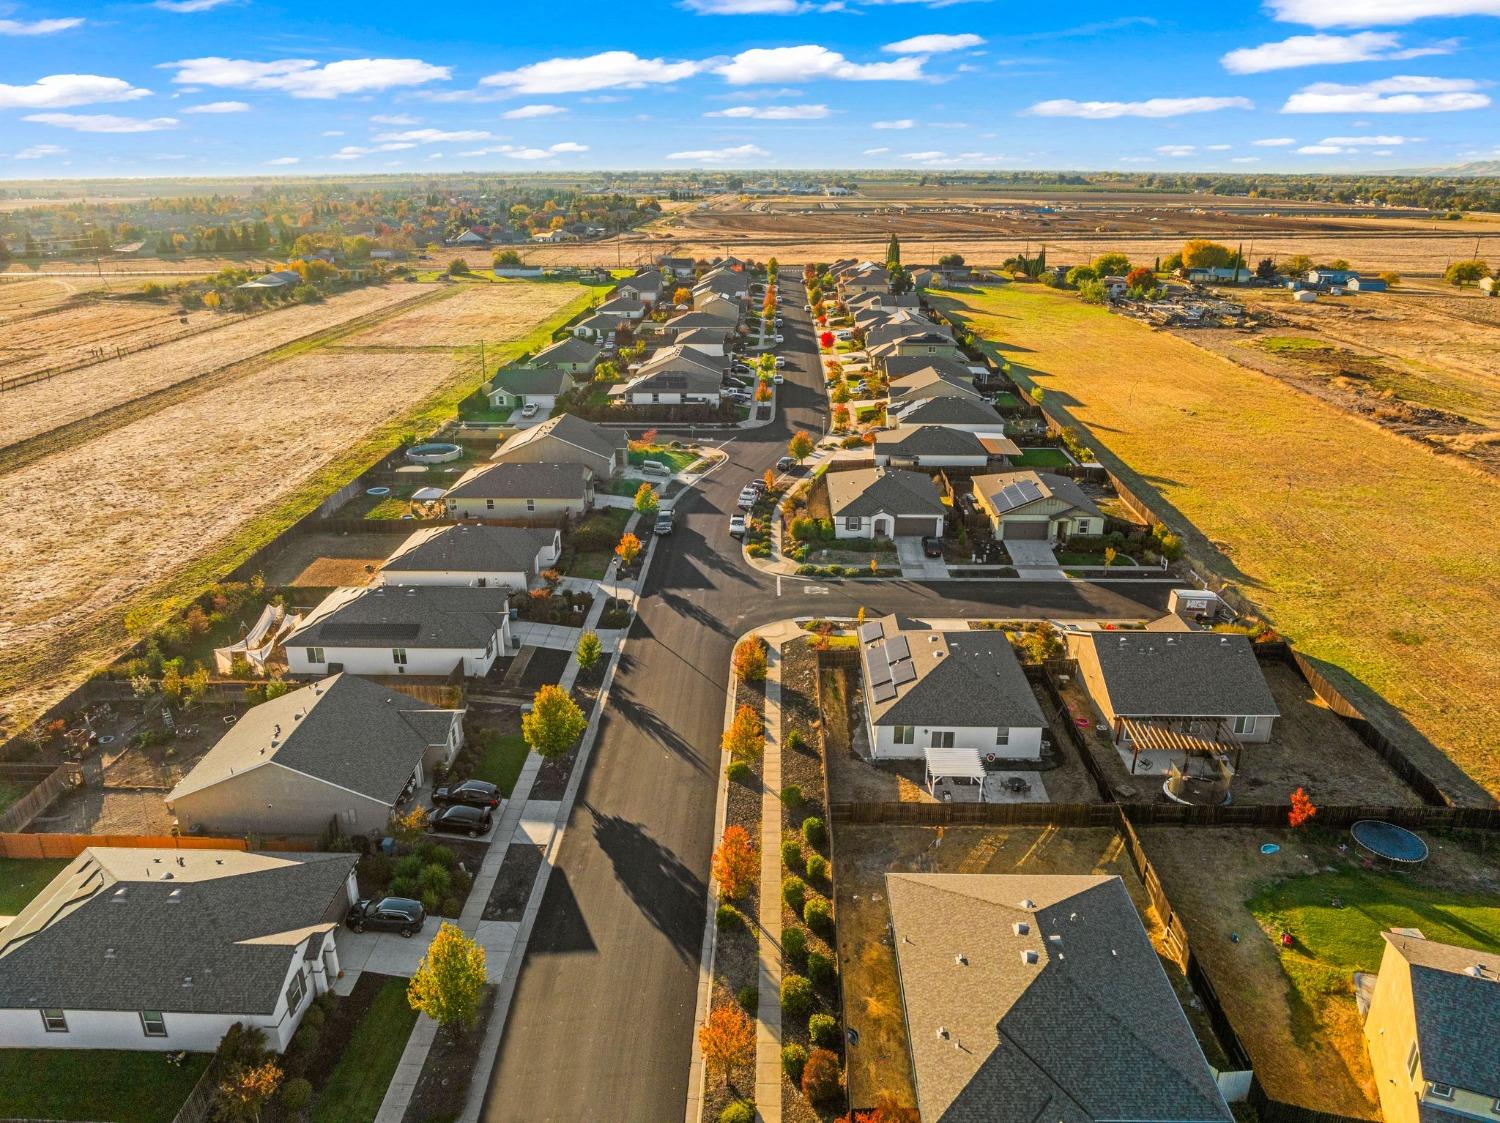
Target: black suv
932	547
458	818
389	914
473	793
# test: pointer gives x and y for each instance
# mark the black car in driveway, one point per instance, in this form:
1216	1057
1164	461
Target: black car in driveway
459	818
471	793
389	914
932	547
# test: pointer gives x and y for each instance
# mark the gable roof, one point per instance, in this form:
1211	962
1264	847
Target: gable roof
410	616
1455	995
949	409
1090	1031
929	440
516	479
621	306
1180	674
570	429
874	491
1010	492
344	730
934	381
182	931
679	356
470	548
676	378
927	678
903	366
569	350
701	318
532	379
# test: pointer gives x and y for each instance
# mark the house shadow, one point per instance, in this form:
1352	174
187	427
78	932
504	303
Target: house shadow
560	928
669	895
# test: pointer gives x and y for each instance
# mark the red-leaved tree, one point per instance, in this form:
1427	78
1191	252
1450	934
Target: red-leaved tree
1302	808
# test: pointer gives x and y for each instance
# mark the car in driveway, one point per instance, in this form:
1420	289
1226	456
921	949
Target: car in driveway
663	523
932	547
528	411
736	526
388	914
458	818
471	793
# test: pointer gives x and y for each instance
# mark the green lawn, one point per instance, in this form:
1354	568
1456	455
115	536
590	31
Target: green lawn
592	563
12	790
678	459
1006	400
501	756
358	1082
99	1084
22	879
1041	458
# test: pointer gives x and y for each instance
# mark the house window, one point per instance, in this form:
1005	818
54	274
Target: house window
1441	1091
904	735
398	656
484	582
1002	735
154	1023
531	504
942	739
489	504
852	523
1244	725
1411	1061
296	992
54	1021
315	655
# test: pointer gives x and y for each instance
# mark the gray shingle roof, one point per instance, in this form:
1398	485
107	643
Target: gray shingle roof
949	410
410	616
520	480
700	319
945	679
1009	492
874	491
570	350
1091	1031
345	730
533	379
471	548
1202	674
114	932
1456	1012
928	440
571	429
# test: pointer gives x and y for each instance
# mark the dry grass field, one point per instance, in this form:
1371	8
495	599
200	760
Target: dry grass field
93	330
145	513
1374	554
473	312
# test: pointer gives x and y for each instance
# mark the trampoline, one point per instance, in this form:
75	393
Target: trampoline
1390	842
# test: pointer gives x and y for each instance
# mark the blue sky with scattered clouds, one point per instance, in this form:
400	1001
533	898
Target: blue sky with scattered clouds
204	87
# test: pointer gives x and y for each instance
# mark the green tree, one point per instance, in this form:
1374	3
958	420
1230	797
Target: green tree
646	502
450	979
800	447
507	258
893	253
1081	273
1203	254
554	723
1111	264
1462	273
590	650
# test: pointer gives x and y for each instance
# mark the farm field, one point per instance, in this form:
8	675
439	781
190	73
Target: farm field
159	506
1324	521
472	313
95	330
77	394
23	295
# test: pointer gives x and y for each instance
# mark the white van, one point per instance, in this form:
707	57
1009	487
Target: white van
655	468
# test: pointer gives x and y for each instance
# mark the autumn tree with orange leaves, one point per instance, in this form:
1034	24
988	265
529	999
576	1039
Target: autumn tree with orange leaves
727	1039
736	863
1302	808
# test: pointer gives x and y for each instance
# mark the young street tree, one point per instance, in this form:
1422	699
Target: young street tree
750	659
629	548
450	979
727	1039
736	863
244	1090
800	447
590	650
645	500
745	739
554	723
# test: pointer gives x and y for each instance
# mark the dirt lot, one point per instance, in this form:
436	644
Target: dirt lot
319	561
475	312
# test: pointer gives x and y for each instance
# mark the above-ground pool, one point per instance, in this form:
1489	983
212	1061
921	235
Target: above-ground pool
434	452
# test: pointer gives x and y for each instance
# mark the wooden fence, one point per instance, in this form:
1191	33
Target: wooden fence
18	815
72	845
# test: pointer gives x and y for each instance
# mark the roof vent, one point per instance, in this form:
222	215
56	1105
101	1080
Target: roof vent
961	959
1027	903
1029	956
175	896
1072	916
942	1031
118	895
187	980
1055	938
1021	928
109	953
167	876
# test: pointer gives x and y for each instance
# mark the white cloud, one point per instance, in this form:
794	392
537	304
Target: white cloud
1322	150
39	152
526	112
1401	94
903	123
37	27
721	155
747	7
876	151
1177	149
811	62
434	136
516	152
1372	141
103	122
933	44
1153	107
355	151
593	72
284	161
188	5
394	119
1244	159
333	132
1217	147
930	154
1366	13
62	91
568	146
773	112
219	107
1275	142
305	78
1326	50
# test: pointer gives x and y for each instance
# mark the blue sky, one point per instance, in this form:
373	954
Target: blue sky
206	87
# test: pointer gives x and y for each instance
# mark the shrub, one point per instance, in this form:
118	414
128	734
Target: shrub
748	997
739	772
305	1040
823	1030
726	916
815	832
795	741
793	1057
794	943
817	915
791	795
295	1094
791	853
796	997
794	892
750	659
817	868
821	1078
819	968
737	1112
314	1017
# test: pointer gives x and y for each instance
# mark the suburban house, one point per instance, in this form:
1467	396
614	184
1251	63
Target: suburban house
1041	506
1194	692
521	490
919	685
672	384
1430	1029
713	304
864	278
927	344
706	341
687	321
597	328
645	286
951	410
517	386
574	355
166	949
916	377
1032	997
884	503
470	238
433	630
679	267
566	439
726	284
889	327
886	300
930	446
344	749
493	557
622	308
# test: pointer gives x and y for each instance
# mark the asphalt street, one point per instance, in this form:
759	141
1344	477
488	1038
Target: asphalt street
601	1023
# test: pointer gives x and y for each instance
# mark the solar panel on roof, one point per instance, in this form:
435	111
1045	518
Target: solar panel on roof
896	649
884	692
1018	494
904	671
870	631
353	631
880	667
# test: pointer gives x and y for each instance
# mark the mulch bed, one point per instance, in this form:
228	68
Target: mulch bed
513	884
443	1087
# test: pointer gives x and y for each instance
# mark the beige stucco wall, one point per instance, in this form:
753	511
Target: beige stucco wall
1390	1030
514	508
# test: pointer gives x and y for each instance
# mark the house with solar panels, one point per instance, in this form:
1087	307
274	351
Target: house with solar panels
428	630
1040	506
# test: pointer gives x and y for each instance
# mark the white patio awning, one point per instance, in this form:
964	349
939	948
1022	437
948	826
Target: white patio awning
954	764
428	494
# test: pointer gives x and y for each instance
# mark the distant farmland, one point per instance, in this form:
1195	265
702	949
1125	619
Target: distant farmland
1375	555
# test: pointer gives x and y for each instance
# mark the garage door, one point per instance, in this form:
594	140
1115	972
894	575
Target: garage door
914	525
1033	529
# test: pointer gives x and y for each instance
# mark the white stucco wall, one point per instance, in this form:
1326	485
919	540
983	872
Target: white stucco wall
1025	742
419	661
494	579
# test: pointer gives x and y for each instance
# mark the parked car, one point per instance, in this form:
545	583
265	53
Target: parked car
807	308
932	547
389	914
738	395
748	496
780	361
528	410
459	818
786	464
757	486
736	526
663	523
472	793
780	338
778	378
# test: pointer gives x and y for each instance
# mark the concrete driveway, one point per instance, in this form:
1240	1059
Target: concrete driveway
385	953
1029	554
916	566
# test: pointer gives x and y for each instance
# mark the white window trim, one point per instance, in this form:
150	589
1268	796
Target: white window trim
161	1020
47	1021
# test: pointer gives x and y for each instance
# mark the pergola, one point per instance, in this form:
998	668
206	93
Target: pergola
954	764
1193	736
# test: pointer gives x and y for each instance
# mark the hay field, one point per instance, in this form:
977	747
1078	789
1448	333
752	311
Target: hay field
94	330
475	311
1375	555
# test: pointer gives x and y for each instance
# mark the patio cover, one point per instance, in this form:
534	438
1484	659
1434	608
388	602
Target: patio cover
954	764
1197	735
428	494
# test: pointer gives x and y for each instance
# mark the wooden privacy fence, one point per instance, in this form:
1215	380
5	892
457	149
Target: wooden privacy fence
72	845
19	815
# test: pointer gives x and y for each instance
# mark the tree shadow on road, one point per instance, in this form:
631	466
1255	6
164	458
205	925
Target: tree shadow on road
670	895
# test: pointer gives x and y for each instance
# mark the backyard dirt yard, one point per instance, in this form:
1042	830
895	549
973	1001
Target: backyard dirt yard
41	406
1358	544
319	561
475	312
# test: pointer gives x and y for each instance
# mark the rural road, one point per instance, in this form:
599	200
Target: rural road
602	1018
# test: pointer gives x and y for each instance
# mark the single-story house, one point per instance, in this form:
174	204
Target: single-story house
470	238
884	503
887	327
1216	274
343	748
1031	997
679	267
930	446
676	375
1329	278
402	630
517	386
519	490
596	328
946	690
165	949
725	283
278	279
1367	284
705	341
934	382
950	410
712	304
622	308
1430	1030
574	355
567	439
1193	691
645	286
687	321
925	343
493	557
1037	505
